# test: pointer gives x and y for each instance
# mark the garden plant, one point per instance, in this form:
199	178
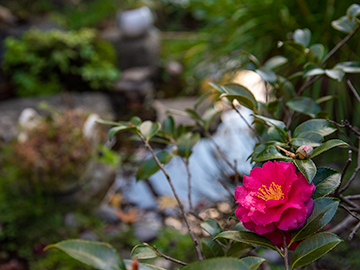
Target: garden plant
285	202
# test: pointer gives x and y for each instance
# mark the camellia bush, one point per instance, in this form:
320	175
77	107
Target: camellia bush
285	203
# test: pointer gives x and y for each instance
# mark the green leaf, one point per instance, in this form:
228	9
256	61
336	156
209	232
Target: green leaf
348	67
274	62
336	74
295	47
186	142
251	57
317	51
113	131
217	88
143	251
270	152
211	248
111	123
302	36
313	248
306	167
307	138
324	99
149	129
267	75
314	72
326	181
280	126
96	254
249	238
286	88
343	24
238	250
142	266
168	126
327	146
242	94
353	11
195	116
216	264
253	262
304	105
324	210
211	226
149	167
136	121
320	126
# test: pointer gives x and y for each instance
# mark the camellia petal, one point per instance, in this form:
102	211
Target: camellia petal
274	198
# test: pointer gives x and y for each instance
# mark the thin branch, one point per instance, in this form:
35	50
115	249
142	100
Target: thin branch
353	90
348	202
307	83
347	164
181	206
338	126
167	257
223	156
349	211
225	187
186	162
286	251
354	231
246	122
344	225
353	197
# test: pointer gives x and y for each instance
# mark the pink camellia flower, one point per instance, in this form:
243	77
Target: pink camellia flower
274	197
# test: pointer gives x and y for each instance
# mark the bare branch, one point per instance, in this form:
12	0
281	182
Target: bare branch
167	257
246	122
352	88
186	162
181	206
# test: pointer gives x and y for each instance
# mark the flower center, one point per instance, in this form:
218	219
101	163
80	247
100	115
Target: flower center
274	192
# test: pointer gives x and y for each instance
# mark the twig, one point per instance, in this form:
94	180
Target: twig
349	211
246	122
347	164
225	187
286	251
345	224
353	90
181	206
167	257
353	197
354	231
348	202
186	162
338	126
353	175
224	157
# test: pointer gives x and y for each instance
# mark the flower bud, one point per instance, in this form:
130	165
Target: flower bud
304	152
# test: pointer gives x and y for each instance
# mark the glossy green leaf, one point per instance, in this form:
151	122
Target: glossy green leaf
274	62
295	47
348	67
253	262
314	72
286	88
313	248
307	168
270	152
195	116
216	264
238	250
327	146
142	266
324	210
168	126
302	36
317	52
149	167
324	99
113	131
343	24
149	129
242	94
185	143
304	105
143	251
217	88
111	123
320	126
211	249
96	254
249	238
326	181
136	121
211	226
353	11
307	138
272	122
251	57
336	74
267	75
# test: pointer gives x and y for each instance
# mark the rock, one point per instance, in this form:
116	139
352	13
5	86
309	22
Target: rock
108	214
134	23
89	102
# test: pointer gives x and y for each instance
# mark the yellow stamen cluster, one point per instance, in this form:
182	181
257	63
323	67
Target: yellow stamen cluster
274	192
